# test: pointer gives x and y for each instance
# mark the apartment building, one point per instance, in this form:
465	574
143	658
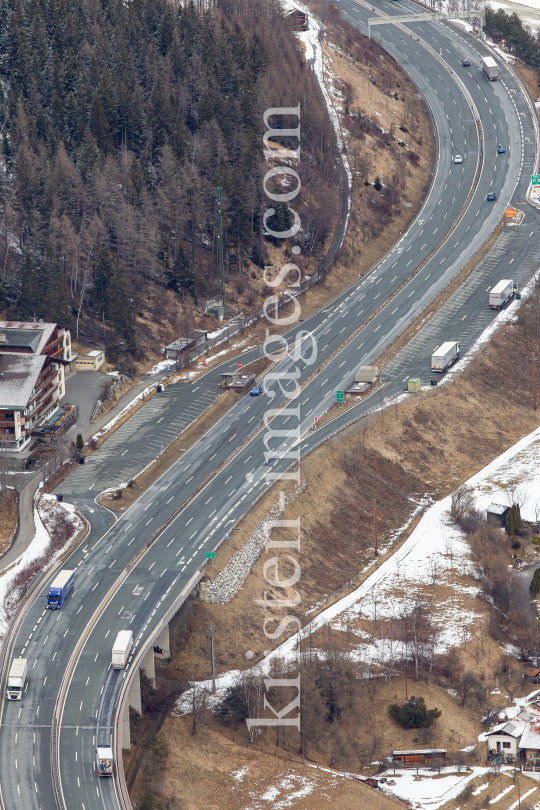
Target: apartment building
32	361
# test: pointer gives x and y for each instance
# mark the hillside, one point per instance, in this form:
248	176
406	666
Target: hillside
118	122
422	450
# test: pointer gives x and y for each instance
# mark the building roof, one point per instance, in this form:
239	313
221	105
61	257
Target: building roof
18	378
421	751
22	339
178	344
95	352
30	329
531	735
531	673
512	728
497	509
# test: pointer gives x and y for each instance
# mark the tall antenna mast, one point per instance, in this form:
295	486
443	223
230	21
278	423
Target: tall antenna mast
219	250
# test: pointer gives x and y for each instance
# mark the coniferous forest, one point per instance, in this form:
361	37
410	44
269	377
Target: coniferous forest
118	120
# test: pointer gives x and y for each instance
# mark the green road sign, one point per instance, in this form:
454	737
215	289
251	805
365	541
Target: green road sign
339	396
535	179
210	555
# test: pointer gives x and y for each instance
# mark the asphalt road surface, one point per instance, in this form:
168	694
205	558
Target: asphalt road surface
225	484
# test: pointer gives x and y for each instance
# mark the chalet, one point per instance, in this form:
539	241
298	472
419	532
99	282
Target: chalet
32	361
299	19
422	757
517	739
532	675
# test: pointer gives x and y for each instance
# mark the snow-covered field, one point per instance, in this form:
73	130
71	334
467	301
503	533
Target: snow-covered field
426	792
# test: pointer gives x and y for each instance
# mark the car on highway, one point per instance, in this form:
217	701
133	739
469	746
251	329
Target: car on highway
501	149
258	389
458	159
491	196
465	62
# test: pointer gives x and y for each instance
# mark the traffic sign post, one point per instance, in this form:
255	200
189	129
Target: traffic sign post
210	555
339	396
535	186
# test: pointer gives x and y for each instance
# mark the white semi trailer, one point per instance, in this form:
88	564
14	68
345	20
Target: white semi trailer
16	678
121	649
104	760
501	293
490	68
445	356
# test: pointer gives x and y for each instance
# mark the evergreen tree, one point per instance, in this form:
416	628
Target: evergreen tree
79	442
535	584
234	707
509	523
513	520
413	713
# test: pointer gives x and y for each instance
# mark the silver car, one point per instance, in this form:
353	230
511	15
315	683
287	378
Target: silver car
458	159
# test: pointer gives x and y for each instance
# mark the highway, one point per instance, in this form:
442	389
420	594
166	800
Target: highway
222	484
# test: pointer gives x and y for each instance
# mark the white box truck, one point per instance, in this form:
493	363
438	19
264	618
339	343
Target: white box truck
121	649
104	760
501	293
16	678
490	68
443	357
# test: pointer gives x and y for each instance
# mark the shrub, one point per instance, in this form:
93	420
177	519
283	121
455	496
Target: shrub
413	713
234	707
535	584
535	540
79	441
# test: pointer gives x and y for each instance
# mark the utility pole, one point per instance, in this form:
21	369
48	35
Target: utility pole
534	380
219	249
212	634
375	526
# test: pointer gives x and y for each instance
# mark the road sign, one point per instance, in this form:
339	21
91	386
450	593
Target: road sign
227	536
535	179
339	396
239	365
210	555
511	212
168	369
315	418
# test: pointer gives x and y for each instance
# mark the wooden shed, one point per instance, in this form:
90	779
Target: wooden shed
425	757
496	515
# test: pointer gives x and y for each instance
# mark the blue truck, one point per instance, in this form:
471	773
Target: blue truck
60	589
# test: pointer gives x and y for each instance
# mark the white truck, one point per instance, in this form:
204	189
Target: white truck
104	760
121	649
445	356
16	678
501	293
490	68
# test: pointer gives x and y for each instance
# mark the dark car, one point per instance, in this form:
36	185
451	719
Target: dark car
256	391
491	196
501	150
465	62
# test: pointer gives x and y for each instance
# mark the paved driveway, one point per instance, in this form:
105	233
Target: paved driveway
83	389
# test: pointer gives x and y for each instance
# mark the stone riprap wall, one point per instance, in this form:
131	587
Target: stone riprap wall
229	581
